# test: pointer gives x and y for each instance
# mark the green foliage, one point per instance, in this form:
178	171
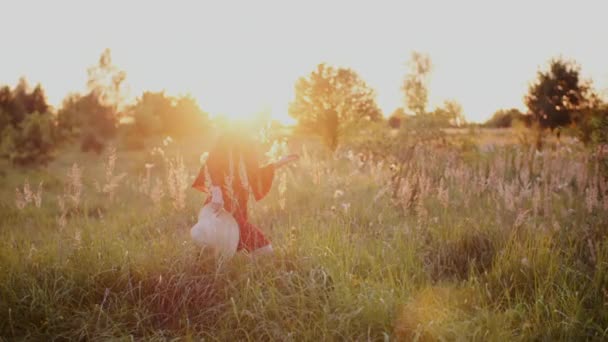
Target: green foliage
83	117
505	118
33	142
149	111
557	94
590	124
415	84
158	114
20	101
94	117
450	114
330	100
27	130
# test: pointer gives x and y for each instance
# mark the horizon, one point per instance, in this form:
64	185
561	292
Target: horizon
241	62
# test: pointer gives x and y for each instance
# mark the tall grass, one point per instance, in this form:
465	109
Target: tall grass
507	244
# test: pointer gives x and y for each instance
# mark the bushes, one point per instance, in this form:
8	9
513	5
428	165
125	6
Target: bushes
506	118
32	143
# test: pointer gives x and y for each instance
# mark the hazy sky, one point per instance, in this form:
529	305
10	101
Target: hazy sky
238	57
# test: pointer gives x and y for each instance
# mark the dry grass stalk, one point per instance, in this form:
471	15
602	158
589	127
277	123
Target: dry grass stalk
19	199
282	189
37	196
25	196
74	185
63	211
177	182
157	193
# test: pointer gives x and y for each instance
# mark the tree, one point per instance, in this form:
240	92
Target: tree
20	101
505	118
330	100
33	142
415	84
157	113
557	94
592	121
27	129
94	117
188	118
450	114
81	116
107	82
150	112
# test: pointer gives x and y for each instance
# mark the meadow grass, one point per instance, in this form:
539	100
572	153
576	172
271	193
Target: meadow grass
505	244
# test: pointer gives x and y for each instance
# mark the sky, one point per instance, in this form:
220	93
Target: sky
241	57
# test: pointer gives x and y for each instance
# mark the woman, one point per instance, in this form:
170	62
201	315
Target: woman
234	172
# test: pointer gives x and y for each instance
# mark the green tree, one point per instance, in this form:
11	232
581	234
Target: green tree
415	84
157	113
330	100
81	116
591	122
27	129
557	94
449	114
188	118
150	113
20	101
33	142
94	117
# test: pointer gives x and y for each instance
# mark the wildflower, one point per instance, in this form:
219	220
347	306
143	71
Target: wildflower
19	199
37	196
350	155
338	193
525	262
345	207
27	192
177	182
443	194
148	166
521	218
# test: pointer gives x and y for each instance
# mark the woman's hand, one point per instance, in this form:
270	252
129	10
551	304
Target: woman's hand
286	160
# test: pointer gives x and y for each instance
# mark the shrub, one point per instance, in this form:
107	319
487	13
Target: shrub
33	142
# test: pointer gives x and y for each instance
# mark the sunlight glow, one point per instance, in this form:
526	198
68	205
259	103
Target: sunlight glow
239	58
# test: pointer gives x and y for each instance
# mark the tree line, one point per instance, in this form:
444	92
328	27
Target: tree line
329	103
31	130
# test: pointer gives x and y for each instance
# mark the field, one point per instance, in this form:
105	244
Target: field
486	244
